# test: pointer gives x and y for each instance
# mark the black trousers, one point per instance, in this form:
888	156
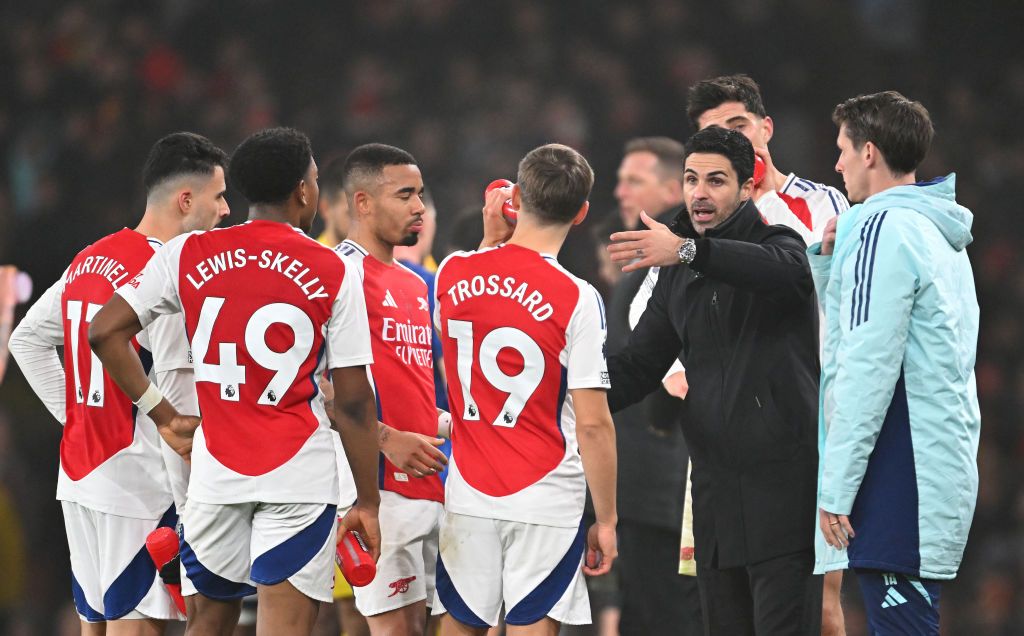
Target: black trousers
656	599
777	597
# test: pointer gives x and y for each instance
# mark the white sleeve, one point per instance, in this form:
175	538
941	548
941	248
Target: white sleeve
639	304
179	387
348	330
586	335
169	344
154	291
34	346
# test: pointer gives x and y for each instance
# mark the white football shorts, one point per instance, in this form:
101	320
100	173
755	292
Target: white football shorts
226	549
112	575
408	555
535	570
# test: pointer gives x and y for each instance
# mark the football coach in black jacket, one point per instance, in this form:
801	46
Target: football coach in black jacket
736	296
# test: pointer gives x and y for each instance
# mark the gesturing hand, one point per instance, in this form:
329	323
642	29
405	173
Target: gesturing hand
656	246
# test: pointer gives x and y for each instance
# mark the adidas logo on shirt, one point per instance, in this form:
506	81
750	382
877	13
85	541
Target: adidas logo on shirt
893	598
389	300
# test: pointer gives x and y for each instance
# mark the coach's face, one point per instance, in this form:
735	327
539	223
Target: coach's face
712	190
205	202
735	116
397	205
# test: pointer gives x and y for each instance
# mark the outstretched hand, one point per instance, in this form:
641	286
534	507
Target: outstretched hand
657	246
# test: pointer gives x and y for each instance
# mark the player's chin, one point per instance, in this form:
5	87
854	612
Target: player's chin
410	239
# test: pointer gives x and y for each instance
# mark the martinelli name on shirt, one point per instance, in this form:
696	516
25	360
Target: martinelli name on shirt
104	266
288	266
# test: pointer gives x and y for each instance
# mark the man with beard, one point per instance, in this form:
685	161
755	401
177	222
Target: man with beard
385	191
736	296
655	598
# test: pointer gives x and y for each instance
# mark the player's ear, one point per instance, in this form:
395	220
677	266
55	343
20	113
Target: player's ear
769	128
185	201
747	189
360	203
516	197
582	214
302	193
870	154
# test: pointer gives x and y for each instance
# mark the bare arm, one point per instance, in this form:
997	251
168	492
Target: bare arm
410	452
595	434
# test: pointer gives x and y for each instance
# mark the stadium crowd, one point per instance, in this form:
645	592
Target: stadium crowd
89	86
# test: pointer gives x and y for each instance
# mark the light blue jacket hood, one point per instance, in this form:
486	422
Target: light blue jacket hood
952	219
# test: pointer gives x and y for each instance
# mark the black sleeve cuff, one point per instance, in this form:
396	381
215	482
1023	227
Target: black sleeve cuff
700	259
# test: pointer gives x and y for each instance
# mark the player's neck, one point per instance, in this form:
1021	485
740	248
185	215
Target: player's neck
162	226
273	213
544	239
884	179
383	252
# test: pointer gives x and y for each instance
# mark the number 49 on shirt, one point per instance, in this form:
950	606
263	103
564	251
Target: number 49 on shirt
229	374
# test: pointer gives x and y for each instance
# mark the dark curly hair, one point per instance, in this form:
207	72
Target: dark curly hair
268	165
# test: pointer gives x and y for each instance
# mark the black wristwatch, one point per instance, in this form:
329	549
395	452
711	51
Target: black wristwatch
687	251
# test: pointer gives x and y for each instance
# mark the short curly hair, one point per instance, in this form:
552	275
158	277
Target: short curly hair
268	165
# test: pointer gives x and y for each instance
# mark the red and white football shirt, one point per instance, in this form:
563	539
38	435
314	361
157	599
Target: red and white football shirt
402	373
518	332
267	309
109	454
802	205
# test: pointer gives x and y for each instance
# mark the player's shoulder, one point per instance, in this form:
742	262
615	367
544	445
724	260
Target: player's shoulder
456	260
805	188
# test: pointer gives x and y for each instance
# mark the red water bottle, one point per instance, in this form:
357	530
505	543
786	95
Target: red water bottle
759	170
162	545
507	210
354	560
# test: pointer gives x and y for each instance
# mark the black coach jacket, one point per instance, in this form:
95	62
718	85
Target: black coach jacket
744	315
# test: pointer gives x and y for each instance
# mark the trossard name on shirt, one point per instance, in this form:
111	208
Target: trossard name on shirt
507	287
288	266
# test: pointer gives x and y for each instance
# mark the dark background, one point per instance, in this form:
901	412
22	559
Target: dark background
469	87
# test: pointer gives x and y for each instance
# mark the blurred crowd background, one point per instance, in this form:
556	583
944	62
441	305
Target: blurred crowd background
469	87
